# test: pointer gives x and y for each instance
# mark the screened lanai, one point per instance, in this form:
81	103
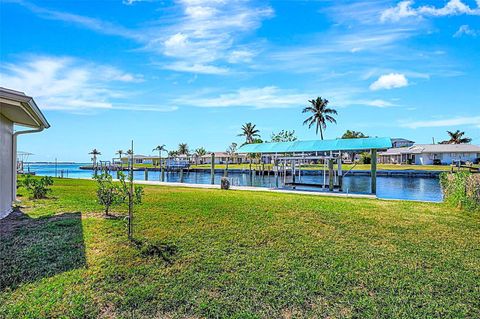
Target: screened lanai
289	156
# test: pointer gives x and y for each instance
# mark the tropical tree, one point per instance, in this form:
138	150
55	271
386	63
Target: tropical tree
353	134
199	152
172	153
183	149
95	153
250	132
457	137
284	136
160	149
232	151
120	153
129	155
320	114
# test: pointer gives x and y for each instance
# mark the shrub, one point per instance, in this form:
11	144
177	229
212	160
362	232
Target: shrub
365	158
461	189
38	187
224	183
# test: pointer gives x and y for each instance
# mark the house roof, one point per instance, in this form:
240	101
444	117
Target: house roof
319	145
21	109
399	139
433	148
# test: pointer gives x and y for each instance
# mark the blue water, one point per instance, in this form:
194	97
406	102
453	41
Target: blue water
392	187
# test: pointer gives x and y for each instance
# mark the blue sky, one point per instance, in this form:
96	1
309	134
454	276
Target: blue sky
165	72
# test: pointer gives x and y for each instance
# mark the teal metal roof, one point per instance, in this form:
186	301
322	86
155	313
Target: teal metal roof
319	145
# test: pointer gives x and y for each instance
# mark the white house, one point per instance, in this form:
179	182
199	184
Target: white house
16	108
428	154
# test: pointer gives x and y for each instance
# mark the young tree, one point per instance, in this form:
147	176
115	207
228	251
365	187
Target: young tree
284	136
108	193
320	114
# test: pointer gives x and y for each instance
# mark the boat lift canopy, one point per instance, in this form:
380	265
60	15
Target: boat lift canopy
291	150
353	144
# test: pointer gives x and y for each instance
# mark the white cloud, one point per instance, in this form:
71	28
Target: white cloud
377	103
389	81
466	30
209	33
63	83
196	68
260	98
473	120
405	9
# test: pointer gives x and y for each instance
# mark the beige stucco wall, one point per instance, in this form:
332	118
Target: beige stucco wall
6	166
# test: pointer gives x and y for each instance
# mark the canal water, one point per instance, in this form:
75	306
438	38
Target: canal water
391	187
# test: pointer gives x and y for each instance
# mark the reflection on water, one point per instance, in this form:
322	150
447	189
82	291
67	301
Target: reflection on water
415	188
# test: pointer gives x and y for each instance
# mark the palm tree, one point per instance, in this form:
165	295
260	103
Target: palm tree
183	149
172	153
232	151
353	134
199	152
95	152
320	115
250	132
120	153
160	149
129	155
457	138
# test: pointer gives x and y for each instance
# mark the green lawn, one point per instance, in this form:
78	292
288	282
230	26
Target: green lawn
239	254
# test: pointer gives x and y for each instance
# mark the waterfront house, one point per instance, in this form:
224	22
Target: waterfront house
17	110
428	154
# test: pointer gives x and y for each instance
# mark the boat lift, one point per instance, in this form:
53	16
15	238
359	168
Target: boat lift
297	153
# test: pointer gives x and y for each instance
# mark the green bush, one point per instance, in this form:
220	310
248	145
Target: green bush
461	189
38	187
365	158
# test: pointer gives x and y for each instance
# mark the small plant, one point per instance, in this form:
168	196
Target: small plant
110	194
38	187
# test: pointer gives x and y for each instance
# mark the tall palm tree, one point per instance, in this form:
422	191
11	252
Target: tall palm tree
160	149
457	138
320	115
95	152
120	153
129	155
249	131
199	152
183	149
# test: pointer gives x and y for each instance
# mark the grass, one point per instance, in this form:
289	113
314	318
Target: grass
234	254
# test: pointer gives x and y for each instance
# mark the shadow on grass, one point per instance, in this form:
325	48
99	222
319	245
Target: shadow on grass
36	248
164	251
